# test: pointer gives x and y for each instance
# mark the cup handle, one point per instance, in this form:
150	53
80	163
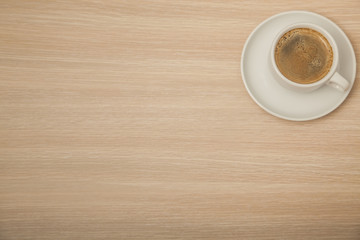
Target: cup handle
339	82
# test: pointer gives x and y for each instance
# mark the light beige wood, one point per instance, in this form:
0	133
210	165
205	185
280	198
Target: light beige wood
129	120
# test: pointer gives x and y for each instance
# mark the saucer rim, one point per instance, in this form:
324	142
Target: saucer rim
283	116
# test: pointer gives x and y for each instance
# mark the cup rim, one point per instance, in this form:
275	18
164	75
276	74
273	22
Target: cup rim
325	34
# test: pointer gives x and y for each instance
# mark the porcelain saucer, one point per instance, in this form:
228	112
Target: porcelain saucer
267	92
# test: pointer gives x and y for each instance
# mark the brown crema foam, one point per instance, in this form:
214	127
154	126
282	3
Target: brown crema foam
303	55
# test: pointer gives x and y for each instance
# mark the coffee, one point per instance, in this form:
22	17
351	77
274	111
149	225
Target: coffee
303	55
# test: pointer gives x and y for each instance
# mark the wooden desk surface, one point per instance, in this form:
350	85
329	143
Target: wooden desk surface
129	120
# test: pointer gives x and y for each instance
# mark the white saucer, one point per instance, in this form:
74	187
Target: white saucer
277	100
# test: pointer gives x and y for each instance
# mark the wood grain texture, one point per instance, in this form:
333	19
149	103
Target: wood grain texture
129	120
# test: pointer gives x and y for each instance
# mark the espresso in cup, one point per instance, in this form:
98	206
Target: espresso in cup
303	55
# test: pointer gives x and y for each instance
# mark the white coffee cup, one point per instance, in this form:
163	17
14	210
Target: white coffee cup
332	78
